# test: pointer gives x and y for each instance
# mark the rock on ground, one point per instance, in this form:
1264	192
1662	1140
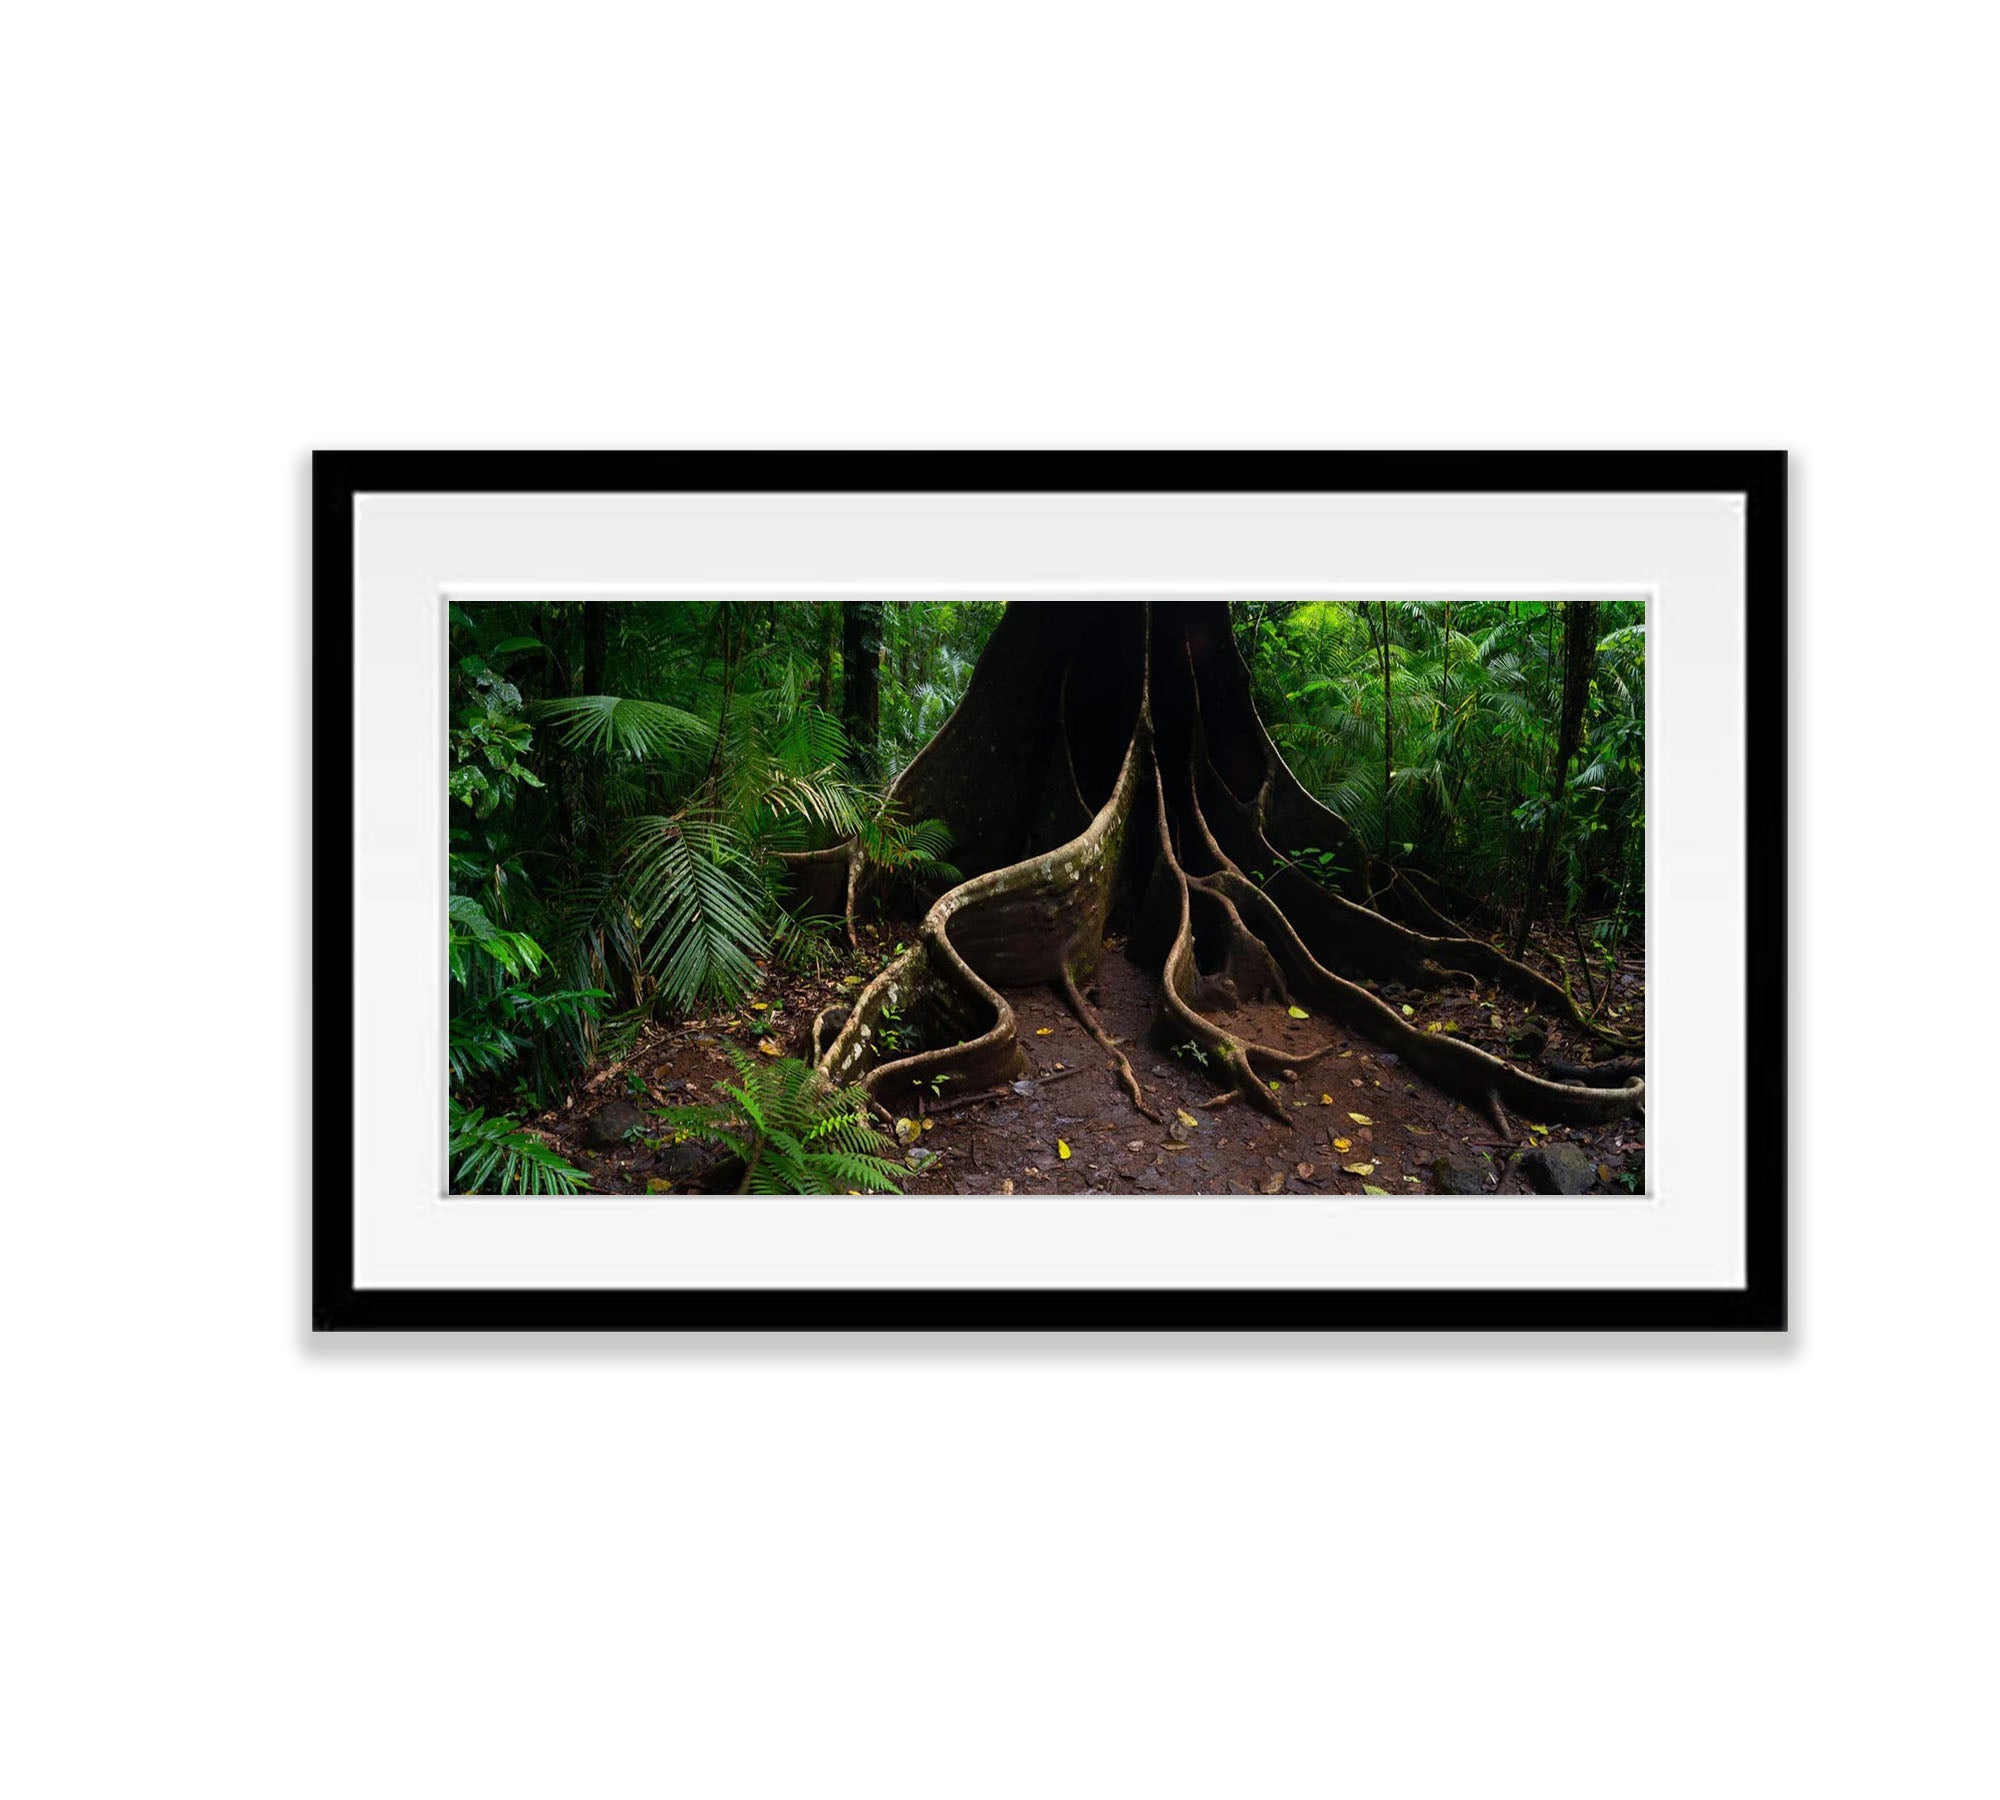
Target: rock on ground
1559	1168
605	1129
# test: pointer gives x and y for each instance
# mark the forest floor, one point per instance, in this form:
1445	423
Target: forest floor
1357	1120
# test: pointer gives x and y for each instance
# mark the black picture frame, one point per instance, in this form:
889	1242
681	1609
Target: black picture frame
339	477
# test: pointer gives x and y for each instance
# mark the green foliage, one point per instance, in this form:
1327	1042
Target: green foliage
493	1155
1461	701
625	783
795	1133
700	907
639	730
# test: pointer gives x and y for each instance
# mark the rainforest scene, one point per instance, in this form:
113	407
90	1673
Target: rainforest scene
933	897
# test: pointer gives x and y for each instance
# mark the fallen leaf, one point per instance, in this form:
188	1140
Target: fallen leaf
1347	1053
1326	1099
1539	1130
1136	1144
770	1047
928	1123
1044	1030
1366	1189
1006	1187
1274	1185
1343	1144
760	1006
907	1131
1409	1012
1354	1081
1187	1118
1306	1171
920	1158
1357	1168
1434	1026
1298	1012
654	1185
1361	1118
1062	1149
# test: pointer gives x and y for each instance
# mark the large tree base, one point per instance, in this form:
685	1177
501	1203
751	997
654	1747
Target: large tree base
1107	766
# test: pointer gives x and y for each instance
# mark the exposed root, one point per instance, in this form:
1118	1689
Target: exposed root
1163	710
1089	1021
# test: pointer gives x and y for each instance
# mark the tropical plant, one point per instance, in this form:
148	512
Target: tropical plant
793	1131
493	1155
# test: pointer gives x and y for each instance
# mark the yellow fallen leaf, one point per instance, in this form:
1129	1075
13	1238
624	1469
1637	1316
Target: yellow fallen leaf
1357	1168
1062	1149
1361	1118
1366	1189
1043	1030
1347	1053
760	1006
1326	1099
1187	1118
1434	1026
770	1047
1409	1012
1298	1012
907	1131
928	1123
1343	1144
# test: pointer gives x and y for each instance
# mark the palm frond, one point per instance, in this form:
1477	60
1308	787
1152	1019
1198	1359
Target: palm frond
494	1155
641	730
700	906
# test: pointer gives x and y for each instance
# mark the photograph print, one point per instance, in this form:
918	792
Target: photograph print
938	896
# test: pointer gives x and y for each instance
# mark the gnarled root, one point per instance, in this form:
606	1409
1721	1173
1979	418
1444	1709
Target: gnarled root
1089	1021
1194	792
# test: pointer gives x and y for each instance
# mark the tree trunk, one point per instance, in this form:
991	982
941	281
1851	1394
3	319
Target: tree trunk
861	682
1107	770
829	648
1579	665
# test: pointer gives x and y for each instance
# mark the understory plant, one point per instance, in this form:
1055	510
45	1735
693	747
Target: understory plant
493	1155
793	1131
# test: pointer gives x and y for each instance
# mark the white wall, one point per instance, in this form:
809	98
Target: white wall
241	1564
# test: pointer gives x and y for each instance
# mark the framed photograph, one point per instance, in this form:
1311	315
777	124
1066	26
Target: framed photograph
1049	891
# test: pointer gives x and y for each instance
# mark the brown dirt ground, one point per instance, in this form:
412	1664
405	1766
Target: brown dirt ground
1011	1142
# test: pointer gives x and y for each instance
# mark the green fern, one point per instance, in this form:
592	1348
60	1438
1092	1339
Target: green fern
792	1131
495	1156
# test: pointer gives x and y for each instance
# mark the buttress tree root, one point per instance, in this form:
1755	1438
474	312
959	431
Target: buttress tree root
1106	771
